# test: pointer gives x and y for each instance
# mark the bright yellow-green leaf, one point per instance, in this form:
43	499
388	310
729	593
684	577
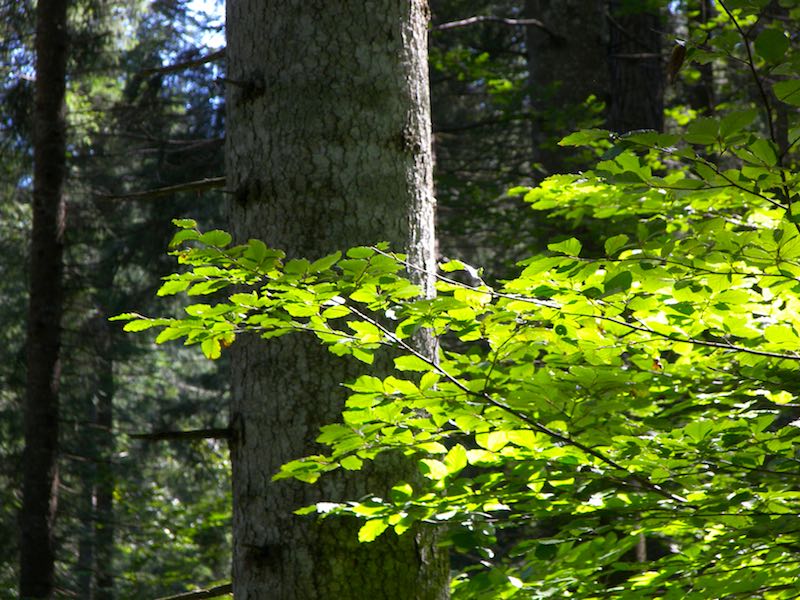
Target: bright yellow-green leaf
371	530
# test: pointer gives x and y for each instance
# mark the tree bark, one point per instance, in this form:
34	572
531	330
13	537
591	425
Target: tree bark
563	71
104	485
40	470
636	72
328	146
96	543
701	94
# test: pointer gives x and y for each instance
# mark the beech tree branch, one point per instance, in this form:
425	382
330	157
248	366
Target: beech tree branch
493	19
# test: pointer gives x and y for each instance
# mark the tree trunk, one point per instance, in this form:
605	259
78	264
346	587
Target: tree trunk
40	471
104	421
635	68
563	71
328	146
701	93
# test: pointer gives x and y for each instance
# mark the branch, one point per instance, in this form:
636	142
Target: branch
188	64
192	434
213	592
501	20
201	185
752	65
485	397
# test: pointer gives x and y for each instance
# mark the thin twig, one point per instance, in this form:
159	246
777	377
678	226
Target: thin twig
213	592
201	185
502	20
187	64
751	64
191	434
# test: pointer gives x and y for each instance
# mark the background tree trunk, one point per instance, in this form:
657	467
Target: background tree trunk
328	146
701	93
40	471
635	68
563	70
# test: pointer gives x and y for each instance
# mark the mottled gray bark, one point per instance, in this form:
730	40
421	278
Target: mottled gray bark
563	70
328	146
40	466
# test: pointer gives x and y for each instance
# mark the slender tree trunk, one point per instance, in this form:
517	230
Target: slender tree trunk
104	486
635	68
40	471
328	146
85	566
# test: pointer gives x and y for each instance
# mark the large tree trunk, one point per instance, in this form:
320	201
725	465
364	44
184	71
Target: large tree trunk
328	146
636	98
40	472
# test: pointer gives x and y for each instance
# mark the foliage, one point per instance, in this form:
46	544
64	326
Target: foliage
127	132
642	396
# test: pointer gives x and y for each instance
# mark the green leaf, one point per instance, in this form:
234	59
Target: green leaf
365	356
325	263
698	430
185	223
211	348
401	492
765	151
360	252
256	251
734	122
614	243
452	265
216	237
411	363
570	247
781	334
139	325
351	463
297	267
433	469
788	91
172	333
371	530
428	380
182	236
492	441
585	137
126	317
621	282
173	286
456	459
771	45
704	130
